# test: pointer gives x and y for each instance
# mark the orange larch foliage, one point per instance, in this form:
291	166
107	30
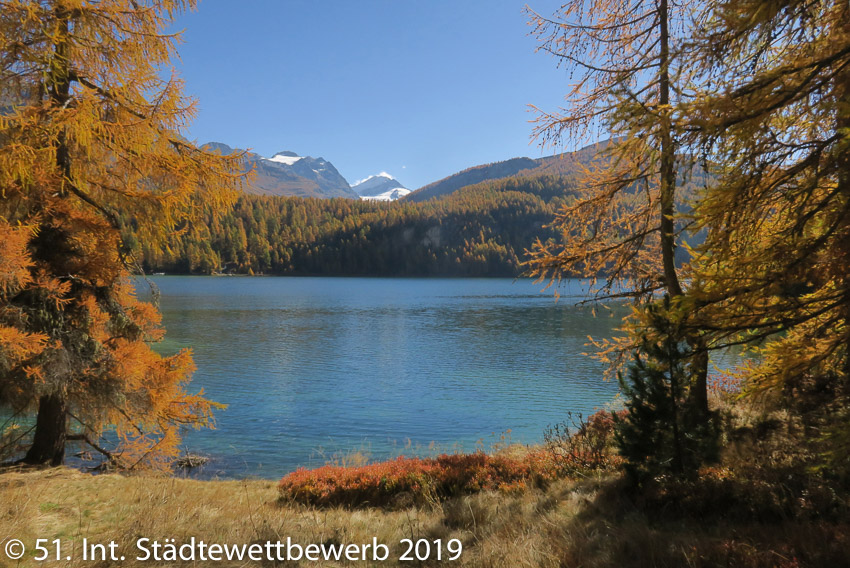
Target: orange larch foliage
774	266
90	121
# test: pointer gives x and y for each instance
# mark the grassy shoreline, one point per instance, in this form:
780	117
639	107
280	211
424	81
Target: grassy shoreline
590	522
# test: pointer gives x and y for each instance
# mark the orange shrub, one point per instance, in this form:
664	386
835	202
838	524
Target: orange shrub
421	478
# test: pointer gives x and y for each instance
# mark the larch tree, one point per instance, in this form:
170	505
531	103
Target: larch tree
775	265
629	75
90	122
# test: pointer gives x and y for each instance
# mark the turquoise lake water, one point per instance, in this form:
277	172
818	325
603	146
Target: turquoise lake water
312	367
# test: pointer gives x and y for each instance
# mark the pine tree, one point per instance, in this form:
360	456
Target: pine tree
661	431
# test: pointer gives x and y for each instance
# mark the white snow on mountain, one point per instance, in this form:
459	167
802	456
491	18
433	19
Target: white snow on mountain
380	187
288	160
391	195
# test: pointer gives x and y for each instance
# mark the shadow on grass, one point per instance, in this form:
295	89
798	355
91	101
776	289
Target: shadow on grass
706	522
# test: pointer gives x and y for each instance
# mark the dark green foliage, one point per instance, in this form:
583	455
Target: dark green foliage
660	432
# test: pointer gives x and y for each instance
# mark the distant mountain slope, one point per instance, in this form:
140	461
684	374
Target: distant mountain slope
470	176
568	163
288	174
380	187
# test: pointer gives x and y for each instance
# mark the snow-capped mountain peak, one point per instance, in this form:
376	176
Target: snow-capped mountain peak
381	187
287	158
364	180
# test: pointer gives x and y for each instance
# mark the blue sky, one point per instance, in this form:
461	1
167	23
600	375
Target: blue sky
420	89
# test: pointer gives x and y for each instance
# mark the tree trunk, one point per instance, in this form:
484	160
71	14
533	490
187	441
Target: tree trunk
699	370
678	453
842	124
668	160
698	393
48	444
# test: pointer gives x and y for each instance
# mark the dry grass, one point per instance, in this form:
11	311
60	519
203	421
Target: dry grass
70	505
591	523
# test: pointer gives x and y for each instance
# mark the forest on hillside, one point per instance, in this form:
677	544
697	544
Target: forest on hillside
481	230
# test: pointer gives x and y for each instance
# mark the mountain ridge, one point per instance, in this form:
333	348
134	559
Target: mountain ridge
288	174
565	163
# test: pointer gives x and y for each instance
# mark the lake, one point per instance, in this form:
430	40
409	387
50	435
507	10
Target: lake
313	367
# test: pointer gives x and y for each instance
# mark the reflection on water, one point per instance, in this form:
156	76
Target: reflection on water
334	364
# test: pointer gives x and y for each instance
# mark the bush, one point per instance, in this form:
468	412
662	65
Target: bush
580	447
415	480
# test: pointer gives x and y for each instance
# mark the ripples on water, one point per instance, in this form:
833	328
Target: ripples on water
313	366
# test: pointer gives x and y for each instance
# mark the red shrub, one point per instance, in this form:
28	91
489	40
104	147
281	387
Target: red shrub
444	476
